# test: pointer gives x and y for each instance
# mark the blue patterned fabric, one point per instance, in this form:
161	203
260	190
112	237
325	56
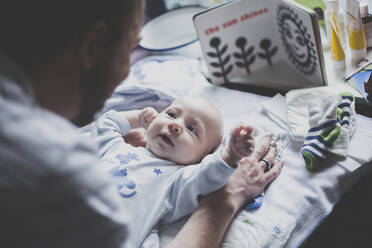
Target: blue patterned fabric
154	81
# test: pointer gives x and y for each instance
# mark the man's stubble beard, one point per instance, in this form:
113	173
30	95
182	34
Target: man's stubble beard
94	89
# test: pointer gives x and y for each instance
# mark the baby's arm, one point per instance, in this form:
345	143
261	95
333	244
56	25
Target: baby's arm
194	181
241	144
140	118
110	128
139	122
211	174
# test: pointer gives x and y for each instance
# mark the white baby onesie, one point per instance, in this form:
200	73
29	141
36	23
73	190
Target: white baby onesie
153	188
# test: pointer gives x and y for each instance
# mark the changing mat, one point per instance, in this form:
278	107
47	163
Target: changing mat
294	204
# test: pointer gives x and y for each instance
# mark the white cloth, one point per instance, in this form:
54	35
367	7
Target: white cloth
359	152
276	109
154	189
249	231
297	108
296	195
54	192
298	113
152	240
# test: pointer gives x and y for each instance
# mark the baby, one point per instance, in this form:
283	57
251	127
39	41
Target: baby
163	180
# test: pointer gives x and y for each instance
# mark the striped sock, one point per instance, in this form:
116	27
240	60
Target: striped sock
345	115
319	140
344	109
329	121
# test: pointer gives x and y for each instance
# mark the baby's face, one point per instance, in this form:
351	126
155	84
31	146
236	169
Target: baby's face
186	131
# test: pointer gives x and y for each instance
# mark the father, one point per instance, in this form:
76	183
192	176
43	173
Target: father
59	61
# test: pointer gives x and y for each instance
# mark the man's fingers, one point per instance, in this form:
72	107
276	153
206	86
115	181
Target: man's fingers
268	160
271	174
261	149
270	155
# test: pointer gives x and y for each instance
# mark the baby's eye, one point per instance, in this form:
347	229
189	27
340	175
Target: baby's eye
171	114
193	130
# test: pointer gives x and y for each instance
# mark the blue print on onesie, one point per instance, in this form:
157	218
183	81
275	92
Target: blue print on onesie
125	159
126	187
157	171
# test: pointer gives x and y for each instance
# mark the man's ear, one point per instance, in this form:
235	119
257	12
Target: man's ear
93	44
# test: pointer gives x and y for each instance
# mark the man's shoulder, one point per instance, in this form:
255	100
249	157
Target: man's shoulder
32	135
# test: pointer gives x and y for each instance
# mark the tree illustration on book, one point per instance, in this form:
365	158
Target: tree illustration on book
222	63
267	53
270	43
245	55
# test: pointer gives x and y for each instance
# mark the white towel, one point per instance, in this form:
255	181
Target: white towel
152	240
296	195
298	113
276	109
249	230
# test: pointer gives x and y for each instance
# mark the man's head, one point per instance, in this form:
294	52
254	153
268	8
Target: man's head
189	129
74	51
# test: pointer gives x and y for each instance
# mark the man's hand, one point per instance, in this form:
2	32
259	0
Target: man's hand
252	175
146	116
241	144
208	224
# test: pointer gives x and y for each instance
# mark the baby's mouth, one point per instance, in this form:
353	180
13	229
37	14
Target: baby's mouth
166	139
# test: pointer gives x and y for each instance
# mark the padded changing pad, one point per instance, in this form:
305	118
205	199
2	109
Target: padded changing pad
295	203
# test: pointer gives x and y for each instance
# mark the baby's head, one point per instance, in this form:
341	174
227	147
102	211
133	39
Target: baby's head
186	131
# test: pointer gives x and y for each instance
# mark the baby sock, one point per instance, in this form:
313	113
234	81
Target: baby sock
345	110
345	115
329	121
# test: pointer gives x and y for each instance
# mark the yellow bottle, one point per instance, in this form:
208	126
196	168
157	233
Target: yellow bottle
337	52
357	37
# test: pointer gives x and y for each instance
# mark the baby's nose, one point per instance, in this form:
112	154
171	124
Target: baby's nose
175	128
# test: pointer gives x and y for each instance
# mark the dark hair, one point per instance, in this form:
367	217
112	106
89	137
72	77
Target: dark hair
36	30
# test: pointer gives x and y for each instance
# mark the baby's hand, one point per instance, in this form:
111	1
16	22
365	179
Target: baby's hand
136	137
241	144
146	116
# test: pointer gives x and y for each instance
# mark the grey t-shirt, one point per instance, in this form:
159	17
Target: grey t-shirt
53	189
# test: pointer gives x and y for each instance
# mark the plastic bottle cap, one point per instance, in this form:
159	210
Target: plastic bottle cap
319	12
331	4
363	8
